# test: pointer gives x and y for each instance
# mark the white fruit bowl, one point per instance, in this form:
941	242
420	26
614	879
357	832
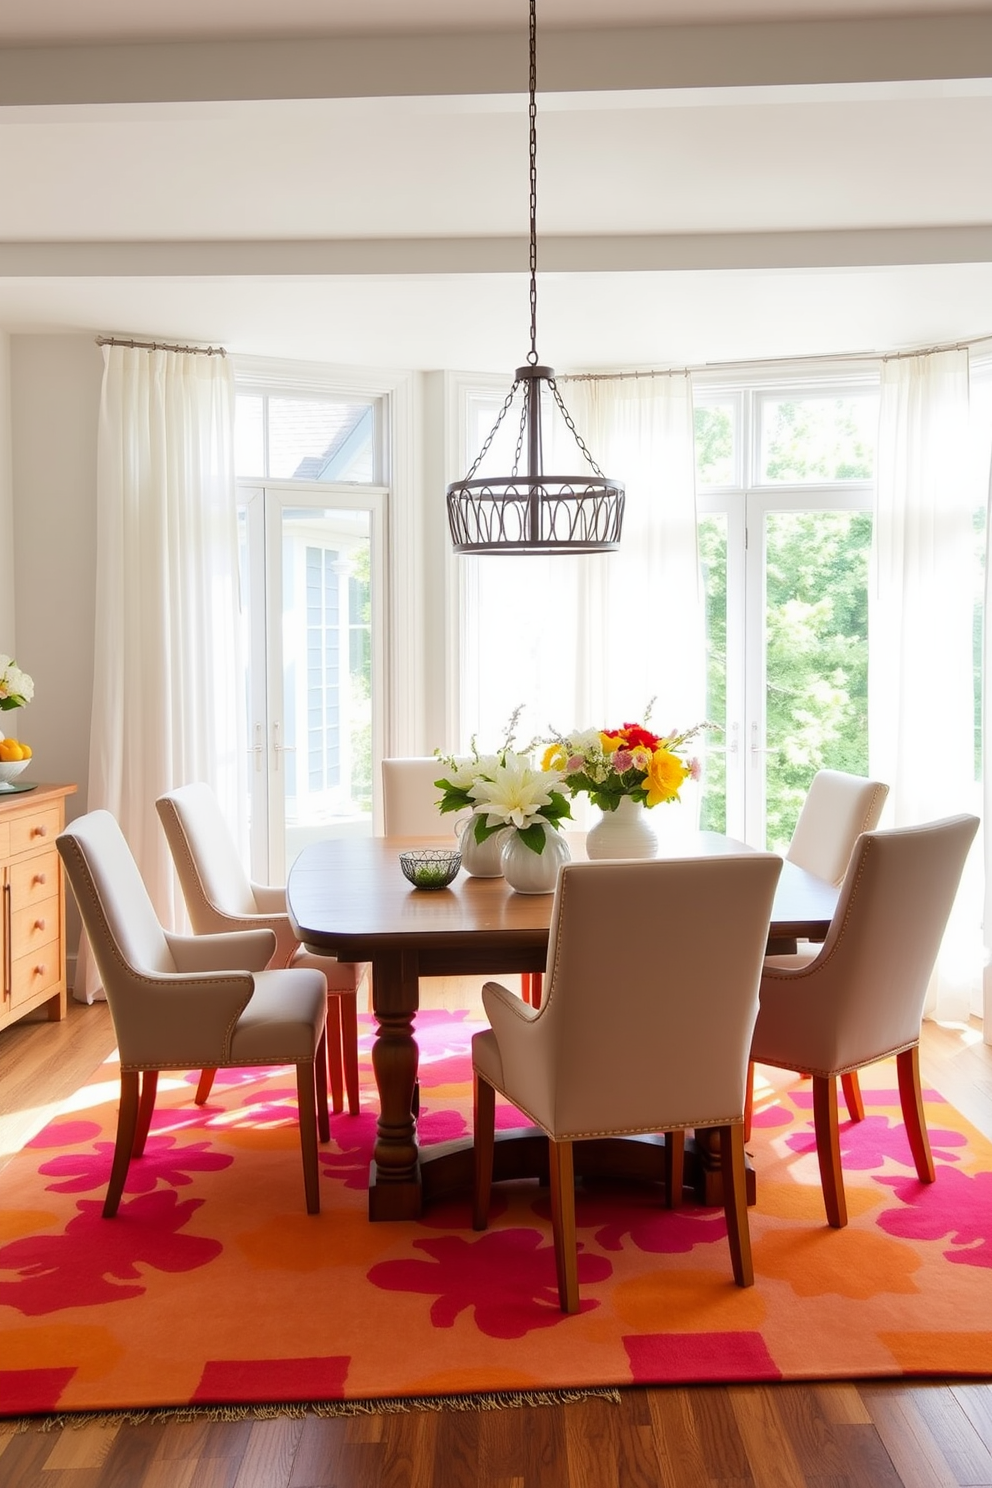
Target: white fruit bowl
10	769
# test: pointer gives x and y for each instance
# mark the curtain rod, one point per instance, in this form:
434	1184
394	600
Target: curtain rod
161	346
840	356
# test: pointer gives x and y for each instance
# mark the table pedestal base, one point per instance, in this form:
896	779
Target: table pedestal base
446	1170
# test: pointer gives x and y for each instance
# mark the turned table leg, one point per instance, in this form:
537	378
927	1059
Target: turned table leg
394	1182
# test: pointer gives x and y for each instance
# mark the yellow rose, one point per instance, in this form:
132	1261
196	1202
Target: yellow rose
666	773
610	742
555	757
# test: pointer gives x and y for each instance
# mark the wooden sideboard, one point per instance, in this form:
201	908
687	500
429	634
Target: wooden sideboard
32	903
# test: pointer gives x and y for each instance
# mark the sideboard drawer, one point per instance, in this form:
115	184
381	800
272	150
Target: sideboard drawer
34	829
34	879
34	974
36	926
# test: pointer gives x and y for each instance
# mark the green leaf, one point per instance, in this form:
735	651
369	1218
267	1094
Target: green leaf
532	836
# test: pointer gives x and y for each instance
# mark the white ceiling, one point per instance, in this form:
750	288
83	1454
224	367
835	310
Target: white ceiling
813	189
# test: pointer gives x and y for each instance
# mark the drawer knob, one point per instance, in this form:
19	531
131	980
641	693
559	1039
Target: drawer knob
39	878
39	832
39	924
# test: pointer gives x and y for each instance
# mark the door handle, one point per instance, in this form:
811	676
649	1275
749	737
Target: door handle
278	748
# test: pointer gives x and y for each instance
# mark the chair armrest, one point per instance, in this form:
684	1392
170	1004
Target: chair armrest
502	1005
270	899
185	1021
235	950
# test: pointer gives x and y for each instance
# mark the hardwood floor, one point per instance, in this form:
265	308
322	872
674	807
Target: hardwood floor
840	1435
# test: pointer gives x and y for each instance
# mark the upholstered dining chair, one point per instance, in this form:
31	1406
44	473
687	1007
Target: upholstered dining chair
220	897
183	1002
652	993
837	809
410	797
859	997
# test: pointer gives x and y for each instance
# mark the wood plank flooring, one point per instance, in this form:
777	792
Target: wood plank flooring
932	1434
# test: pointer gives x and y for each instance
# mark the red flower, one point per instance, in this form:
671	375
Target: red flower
635	734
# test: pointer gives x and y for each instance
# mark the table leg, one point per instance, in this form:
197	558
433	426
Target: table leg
394	1181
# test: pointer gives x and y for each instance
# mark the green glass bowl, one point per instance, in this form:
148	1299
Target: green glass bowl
430	867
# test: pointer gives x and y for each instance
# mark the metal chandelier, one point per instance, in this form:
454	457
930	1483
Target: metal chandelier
532	512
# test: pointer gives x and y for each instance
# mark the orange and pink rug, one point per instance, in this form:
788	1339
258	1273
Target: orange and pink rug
213	1285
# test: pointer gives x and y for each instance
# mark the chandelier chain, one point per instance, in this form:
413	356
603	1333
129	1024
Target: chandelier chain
492	432
570	424
532	117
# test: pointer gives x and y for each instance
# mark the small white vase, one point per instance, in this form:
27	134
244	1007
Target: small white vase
481	859
624	833
529	872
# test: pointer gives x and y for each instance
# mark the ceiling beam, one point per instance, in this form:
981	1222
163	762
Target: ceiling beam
767	53
405	257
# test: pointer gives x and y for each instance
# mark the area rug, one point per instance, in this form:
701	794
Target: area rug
214	1286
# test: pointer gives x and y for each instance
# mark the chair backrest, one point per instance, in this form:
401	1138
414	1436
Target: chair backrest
863	995
212	877
652	991
410	797
837	809
121	925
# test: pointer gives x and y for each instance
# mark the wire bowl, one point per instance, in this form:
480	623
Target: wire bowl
10	769
430	867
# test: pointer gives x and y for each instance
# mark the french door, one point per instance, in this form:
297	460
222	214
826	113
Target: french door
785	556
312	569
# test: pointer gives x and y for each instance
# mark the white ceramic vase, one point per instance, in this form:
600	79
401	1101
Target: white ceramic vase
481	859
624	833
529	872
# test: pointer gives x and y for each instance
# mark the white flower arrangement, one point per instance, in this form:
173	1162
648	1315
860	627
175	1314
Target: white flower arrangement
16	687
503	790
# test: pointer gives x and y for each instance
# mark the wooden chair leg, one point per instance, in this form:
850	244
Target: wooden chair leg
852	1096
204	1086
127	1121
484	1126
306	1098
320	1089
334	1054
536	988
828	1149
525	985
146	1106
749	1100
911	1100
674	1168
349	1050
735	1202
563	1224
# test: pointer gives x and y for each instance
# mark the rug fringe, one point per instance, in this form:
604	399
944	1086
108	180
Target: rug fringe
489	1401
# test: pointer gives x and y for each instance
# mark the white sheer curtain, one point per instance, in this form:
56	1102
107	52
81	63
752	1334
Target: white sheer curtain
921	686
168	701
588	641
985	834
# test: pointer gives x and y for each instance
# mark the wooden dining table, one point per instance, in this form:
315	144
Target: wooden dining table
347	897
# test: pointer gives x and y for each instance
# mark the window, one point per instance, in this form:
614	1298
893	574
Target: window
784	490
312	548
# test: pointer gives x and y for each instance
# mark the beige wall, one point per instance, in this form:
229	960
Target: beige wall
8	635
54	405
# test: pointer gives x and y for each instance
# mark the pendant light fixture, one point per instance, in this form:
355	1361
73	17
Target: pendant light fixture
530	512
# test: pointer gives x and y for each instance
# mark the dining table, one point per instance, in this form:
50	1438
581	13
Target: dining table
348	897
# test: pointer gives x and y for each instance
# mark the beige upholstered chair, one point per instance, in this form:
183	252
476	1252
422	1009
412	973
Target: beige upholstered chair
859	997
837	809
410	797
220	897
182	1002
652	992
